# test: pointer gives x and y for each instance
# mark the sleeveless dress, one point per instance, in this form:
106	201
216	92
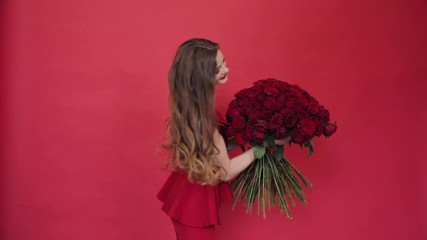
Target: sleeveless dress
193	204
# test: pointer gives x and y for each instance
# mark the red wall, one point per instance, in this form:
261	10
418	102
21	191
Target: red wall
84	99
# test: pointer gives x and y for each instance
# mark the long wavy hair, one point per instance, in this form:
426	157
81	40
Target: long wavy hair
192	119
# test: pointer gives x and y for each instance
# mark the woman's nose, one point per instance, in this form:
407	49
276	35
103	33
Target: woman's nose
226	69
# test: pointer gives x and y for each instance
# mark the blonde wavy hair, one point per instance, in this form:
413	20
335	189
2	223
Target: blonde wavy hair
192	121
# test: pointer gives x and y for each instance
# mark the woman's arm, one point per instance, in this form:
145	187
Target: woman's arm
233	167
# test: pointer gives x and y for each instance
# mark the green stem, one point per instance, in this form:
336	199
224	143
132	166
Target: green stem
280	195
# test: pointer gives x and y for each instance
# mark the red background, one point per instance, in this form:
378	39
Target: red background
84	100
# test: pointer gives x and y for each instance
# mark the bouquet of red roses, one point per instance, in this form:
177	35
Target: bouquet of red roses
272	110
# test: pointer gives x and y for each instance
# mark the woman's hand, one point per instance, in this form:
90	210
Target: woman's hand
283	141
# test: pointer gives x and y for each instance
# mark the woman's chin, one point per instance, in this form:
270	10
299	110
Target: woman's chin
222	80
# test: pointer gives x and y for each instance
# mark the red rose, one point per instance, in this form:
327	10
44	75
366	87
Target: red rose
250	132
261	124
233	110
281	86
257	88
251	94
324	114
304	114
280	133
313	107
286	112
319	127
290	102
229	132
259	136
269	104
238	122
271	91
260	130
307	127
297	108
291	121
254	115
246	93
295	92
297	137
330	129
265	115
275	121
264	82
261	97
241	138
281	101
304	101
245	106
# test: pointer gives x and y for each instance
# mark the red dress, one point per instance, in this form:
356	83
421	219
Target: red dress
193	204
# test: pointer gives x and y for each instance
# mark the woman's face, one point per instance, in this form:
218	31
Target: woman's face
221	69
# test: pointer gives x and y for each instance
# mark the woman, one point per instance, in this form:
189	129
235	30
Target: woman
199	158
